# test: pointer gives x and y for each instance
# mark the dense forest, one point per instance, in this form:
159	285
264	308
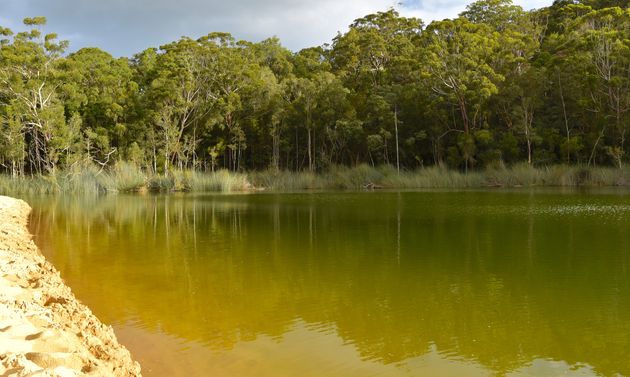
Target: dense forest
497	85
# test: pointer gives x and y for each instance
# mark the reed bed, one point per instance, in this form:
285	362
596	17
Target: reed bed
126	177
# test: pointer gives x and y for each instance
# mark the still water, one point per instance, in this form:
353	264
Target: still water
523	283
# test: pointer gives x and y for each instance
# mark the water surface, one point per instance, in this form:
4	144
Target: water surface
481	283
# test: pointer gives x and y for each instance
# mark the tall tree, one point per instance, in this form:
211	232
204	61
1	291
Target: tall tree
459	58
29	77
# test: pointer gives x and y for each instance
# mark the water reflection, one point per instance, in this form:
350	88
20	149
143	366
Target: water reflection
509	284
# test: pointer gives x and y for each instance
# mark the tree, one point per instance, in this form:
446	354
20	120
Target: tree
375	58
458	63
498	14
101	90
29	77
519	43
181	96
603	37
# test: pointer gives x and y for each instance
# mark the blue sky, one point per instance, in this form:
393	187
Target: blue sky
124	27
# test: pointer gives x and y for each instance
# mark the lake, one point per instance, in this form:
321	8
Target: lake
476	283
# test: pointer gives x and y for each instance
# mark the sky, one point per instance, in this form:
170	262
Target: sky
125	27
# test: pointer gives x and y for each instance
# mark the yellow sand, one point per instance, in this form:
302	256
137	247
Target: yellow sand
44	329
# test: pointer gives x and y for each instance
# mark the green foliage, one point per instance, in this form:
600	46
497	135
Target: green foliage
496	86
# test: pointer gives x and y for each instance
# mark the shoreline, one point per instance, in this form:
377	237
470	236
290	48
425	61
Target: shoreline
44	329
135	179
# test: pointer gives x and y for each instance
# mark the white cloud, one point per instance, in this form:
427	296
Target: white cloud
533	4
434	10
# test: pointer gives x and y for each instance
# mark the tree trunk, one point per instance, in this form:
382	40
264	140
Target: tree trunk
194	147
397	147
310	157
527	120
275	155
154	160
310	141
297	151
592	156
464	114
566	120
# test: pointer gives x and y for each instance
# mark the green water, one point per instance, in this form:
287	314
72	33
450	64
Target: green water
354	284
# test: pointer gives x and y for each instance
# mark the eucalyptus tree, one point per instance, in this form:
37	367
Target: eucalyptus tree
602	39
142	111
306	93
496	83
373	59
233	78
300	97
179	92
270	104
101	90
12	141
569	108
520	37
458	58
499	14
29	90
340	130
311	61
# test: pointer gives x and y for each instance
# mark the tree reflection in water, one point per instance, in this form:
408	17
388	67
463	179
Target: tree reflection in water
357	283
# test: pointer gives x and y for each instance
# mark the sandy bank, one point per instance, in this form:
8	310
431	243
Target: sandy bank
44	329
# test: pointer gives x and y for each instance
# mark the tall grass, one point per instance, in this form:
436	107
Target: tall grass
126	177
282	180
336	178
26	186
387	177
85	180
221	181
557	175
433	177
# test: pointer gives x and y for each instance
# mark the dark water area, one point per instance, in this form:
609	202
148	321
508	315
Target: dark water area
479	283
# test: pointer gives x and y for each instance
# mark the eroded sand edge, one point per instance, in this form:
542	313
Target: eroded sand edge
44	329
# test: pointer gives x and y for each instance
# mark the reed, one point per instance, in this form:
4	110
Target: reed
125	177
220	181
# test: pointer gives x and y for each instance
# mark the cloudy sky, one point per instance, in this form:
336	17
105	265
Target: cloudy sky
124	27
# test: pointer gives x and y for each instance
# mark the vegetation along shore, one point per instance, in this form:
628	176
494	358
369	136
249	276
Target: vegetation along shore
544	92
129	178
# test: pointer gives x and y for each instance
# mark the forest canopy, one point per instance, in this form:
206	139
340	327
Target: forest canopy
495	85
